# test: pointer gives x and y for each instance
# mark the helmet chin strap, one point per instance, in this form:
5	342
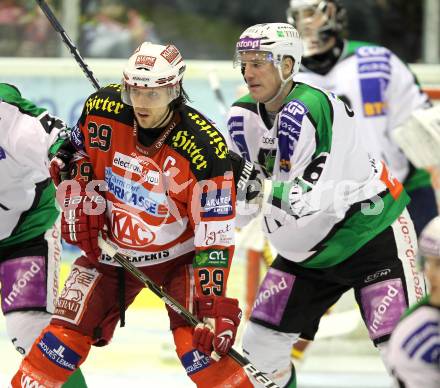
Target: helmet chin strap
164	119
284	83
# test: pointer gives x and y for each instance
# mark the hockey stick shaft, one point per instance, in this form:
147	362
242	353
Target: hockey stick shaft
72	48
214	82
112	251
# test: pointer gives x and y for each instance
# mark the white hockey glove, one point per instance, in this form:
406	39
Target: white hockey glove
419	137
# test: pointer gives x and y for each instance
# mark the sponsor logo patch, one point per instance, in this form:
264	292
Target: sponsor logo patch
248	44
377	274
135	195
218	233
127	163
215	138
145	60
273	296
23	283
194	361
185	141
170	53
383	304
212	258
103	104
2	153
58	353
289	130
216	203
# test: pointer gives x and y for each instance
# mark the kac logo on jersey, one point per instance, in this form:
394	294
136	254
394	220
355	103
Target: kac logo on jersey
130	230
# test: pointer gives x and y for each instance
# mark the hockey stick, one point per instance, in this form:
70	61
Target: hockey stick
111	250
218	94
72	48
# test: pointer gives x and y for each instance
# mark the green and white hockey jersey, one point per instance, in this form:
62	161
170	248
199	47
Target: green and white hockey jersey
328	196
27	195
383	92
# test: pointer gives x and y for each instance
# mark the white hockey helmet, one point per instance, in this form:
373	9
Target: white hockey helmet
317	21
429	240
153	66
274	40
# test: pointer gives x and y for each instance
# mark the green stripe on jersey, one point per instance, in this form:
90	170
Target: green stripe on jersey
12	96
422	302
352	45
355	231
36	220
320	114
417	179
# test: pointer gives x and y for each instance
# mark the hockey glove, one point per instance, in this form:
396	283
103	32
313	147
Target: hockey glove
82	220
220	318
247	182
60	162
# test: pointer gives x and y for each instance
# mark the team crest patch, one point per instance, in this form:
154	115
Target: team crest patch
75	294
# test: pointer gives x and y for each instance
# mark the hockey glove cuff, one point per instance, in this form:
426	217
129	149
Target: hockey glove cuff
220	319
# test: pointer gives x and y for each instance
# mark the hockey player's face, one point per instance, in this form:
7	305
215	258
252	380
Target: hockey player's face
262	78
432	272
150	105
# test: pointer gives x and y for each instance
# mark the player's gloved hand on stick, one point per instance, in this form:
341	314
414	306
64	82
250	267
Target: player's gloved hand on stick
82	219
220	318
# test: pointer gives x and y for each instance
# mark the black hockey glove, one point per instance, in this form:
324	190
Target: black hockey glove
248	185
60	162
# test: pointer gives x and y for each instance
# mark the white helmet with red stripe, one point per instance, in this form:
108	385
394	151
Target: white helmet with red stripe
153	66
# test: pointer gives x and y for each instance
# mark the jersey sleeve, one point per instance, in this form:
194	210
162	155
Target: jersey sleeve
32	133
212	212
404	94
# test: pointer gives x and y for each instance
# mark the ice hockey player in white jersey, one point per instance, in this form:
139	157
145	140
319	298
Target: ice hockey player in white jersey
30	237
337	218
414	350
374	82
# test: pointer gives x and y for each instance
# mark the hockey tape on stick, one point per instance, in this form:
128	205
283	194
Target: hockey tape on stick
72	48
112	250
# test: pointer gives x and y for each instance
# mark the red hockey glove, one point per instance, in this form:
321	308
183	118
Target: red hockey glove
220	316
79	225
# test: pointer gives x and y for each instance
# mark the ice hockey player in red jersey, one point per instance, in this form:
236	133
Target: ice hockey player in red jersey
154	175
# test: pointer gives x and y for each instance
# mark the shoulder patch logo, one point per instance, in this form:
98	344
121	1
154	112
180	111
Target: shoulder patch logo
291	118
